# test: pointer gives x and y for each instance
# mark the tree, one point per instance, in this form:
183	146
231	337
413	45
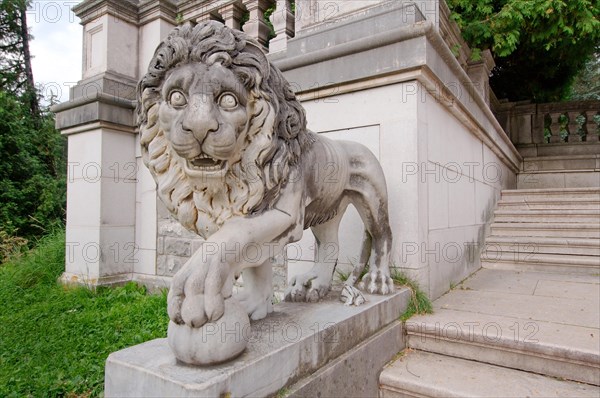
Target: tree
32	152
587	83
538	45
16	74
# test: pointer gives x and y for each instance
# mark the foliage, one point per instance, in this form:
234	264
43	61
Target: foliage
16	75
538	45
32	170
11	62
587	83
419	302
32	152
10	245
55	340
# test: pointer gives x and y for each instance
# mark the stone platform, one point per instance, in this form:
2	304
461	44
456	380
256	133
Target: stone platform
298	343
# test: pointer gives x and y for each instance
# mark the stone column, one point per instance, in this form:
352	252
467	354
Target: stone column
256	25
479	73
591	127
232	15
99	122
555	127
156	19
573	126
283	22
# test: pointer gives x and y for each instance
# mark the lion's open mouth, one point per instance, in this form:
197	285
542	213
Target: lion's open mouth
205	163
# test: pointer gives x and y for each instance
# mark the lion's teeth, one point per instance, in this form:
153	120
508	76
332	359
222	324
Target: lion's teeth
205	163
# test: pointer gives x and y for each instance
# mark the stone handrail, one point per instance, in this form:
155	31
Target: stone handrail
551	123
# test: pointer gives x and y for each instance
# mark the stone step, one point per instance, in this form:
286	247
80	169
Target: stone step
537	322
423	374
587	265
547	216
526	245
550	194
566	230
540	204
572	269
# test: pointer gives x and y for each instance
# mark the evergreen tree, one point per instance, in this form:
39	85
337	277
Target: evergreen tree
587	82
16	74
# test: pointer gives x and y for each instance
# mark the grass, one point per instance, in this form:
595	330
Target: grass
54	340
419	302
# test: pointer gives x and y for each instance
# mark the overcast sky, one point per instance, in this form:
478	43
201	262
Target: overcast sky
56	45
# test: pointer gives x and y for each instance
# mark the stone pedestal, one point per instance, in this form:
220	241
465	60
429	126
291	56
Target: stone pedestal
295	347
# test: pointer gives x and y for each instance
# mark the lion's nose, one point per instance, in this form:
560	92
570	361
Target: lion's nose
199	118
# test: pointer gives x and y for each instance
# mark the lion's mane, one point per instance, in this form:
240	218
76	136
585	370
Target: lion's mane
276	136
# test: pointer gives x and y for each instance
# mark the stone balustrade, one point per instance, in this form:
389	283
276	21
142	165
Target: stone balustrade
551	123
248	15
571	122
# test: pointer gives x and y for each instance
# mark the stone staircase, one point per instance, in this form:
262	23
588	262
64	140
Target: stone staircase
555	230
528	322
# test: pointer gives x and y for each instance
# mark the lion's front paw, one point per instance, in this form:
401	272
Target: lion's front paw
306	287
190	303
377	282
196	309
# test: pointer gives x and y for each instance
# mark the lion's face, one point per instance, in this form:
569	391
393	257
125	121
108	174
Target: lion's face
203	113
220	128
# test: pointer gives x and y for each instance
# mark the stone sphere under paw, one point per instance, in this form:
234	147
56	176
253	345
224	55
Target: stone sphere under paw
214	342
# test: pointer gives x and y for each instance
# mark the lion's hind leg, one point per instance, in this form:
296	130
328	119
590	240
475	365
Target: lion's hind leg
368	193
315	284
257	293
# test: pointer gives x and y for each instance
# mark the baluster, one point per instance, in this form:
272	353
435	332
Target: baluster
283	23
256	26
591	127
555	127
232	14
573	126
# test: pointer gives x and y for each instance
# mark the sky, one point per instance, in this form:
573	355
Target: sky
56	46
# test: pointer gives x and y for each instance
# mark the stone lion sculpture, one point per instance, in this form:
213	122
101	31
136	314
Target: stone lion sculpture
226	141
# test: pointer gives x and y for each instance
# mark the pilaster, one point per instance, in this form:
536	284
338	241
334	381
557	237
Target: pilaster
102	170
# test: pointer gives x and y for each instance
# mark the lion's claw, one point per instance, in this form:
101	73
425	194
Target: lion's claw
214	306
174	308
192	311
377	282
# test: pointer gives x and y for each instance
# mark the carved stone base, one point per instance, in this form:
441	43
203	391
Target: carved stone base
296	341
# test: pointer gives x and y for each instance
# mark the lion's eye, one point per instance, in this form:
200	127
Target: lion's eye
177	99
228	101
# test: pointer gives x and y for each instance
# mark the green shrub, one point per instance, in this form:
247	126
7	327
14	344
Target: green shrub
32	171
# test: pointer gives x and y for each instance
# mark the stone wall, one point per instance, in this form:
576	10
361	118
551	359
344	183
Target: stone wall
425	114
